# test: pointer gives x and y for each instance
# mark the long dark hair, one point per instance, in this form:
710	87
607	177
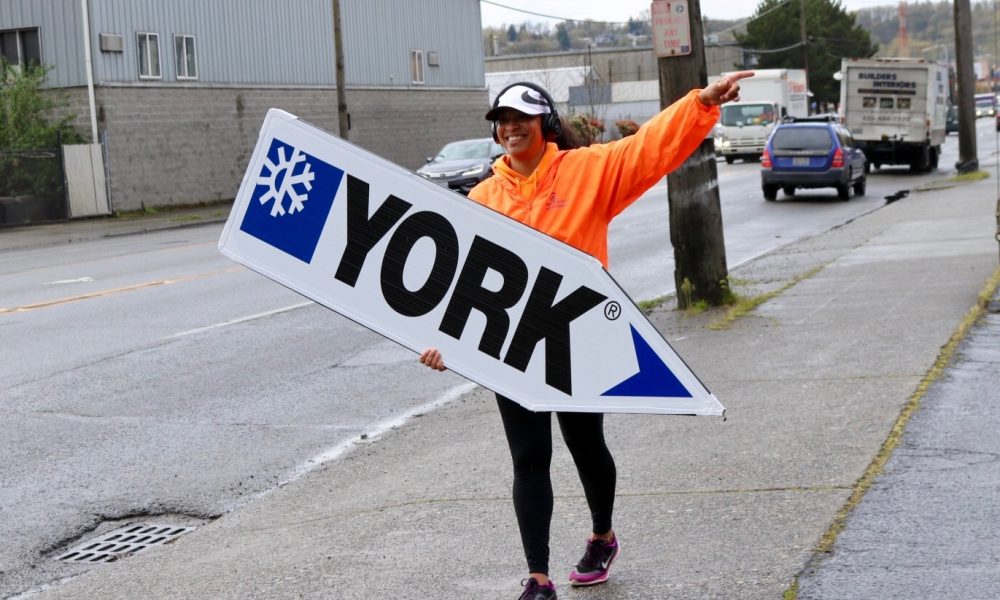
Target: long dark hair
567	138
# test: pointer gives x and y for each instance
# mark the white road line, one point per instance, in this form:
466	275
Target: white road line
378	429
65	281
240	320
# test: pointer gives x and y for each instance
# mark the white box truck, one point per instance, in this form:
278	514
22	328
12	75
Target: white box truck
896	109
765	98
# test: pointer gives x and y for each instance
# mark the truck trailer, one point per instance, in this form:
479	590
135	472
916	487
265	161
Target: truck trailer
896	109
766	98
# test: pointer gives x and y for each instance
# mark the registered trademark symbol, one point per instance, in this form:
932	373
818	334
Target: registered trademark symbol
612	310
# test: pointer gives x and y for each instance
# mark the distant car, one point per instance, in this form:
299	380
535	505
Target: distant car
951	119
812	154
986	105
463	164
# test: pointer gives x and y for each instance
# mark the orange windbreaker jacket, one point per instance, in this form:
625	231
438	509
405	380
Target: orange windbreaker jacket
574	194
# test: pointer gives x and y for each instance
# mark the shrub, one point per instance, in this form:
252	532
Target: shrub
28	134
626	127
587	127
25	111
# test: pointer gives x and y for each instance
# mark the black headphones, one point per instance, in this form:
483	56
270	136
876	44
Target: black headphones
551	124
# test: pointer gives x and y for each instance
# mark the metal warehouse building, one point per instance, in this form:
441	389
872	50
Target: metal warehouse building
181	86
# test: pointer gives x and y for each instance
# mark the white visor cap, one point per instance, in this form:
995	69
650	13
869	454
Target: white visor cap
523	99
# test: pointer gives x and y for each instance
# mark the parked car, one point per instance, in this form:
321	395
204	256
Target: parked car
463	164
812	154
951	119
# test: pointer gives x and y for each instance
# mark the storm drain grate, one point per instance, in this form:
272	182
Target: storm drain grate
123	541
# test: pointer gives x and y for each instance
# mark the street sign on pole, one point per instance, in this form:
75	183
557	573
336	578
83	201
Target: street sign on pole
509	307
671	27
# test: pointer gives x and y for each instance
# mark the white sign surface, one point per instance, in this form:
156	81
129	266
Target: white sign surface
510	308
671	27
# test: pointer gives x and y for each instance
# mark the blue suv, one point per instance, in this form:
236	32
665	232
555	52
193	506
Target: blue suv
812	154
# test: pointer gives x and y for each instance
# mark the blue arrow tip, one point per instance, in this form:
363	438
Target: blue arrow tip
654	379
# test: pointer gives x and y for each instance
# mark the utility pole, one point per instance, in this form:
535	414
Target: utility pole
343	122
966	103
693	188
802	34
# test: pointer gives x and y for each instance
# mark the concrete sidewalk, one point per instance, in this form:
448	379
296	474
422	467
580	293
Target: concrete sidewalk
814	380
81	230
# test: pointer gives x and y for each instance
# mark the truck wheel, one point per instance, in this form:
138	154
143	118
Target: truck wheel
770	192
730	160
935	155
922	162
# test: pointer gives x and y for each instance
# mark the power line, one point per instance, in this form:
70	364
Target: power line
774	50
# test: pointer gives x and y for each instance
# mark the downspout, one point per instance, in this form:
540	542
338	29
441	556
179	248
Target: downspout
89	64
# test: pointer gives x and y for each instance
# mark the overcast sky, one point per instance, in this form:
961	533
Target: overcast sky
621	10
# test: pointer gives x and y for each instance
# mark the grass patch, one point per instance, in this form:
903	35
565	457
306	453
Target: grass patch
792	592
135	214
647	306
877	465
973	176
739	303
696	308
943	184
744	304
185	218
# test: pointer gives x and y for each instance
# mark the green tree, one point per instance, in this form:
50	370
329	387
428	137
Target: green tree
831	34
511	34
26	125
25	111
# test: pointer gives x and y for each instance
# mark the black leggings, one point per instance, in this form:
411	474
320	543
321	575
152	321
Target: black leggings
529	435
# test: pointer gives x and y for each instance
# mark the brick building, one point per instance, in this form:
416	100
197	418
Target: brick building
181	86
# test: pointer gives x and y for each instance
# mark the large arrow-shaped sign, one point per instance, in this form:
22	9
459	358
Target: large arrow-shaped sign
510	308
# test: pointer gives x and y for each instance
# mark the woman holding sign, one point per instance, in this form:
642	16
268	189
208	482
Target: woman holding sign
572	195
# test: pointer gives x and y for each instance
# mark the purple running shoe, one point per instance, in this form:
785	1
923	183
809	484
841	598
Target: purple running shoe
595	566
536	591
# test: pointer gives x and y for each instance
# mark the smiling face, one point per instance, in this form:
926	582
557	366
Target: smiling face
520	135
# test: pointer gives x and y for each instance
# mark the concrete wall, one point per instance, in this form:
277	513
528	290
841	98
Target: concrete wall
170	145
612	65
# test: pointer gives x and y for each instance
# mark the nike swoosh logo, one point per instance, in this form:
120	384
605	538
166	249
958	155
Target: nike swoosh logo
527	97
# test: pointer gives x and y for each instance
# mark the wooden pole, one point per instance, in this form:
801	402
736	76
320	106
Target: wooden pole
693	189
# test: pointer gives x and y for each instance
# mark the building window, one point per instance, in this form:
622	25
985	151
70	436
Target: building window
187	67
417	66
149	55
20	47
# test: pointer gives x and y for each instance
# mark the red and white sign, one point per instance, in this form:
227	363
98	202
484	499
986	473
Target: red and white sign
671	27
509	307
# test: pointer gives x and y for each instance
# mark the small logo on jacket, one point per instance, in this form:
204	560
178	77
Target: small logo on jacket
554	202
291	200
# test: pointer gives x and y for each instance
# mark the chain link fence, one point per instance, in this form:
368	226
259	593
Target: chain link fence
32	187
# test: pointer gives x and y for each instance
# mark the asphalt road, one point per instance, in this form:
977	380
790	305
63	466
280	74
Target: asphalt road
148	375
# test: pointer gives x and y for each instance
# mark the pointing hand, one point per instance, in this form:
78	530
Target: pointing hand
724	90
